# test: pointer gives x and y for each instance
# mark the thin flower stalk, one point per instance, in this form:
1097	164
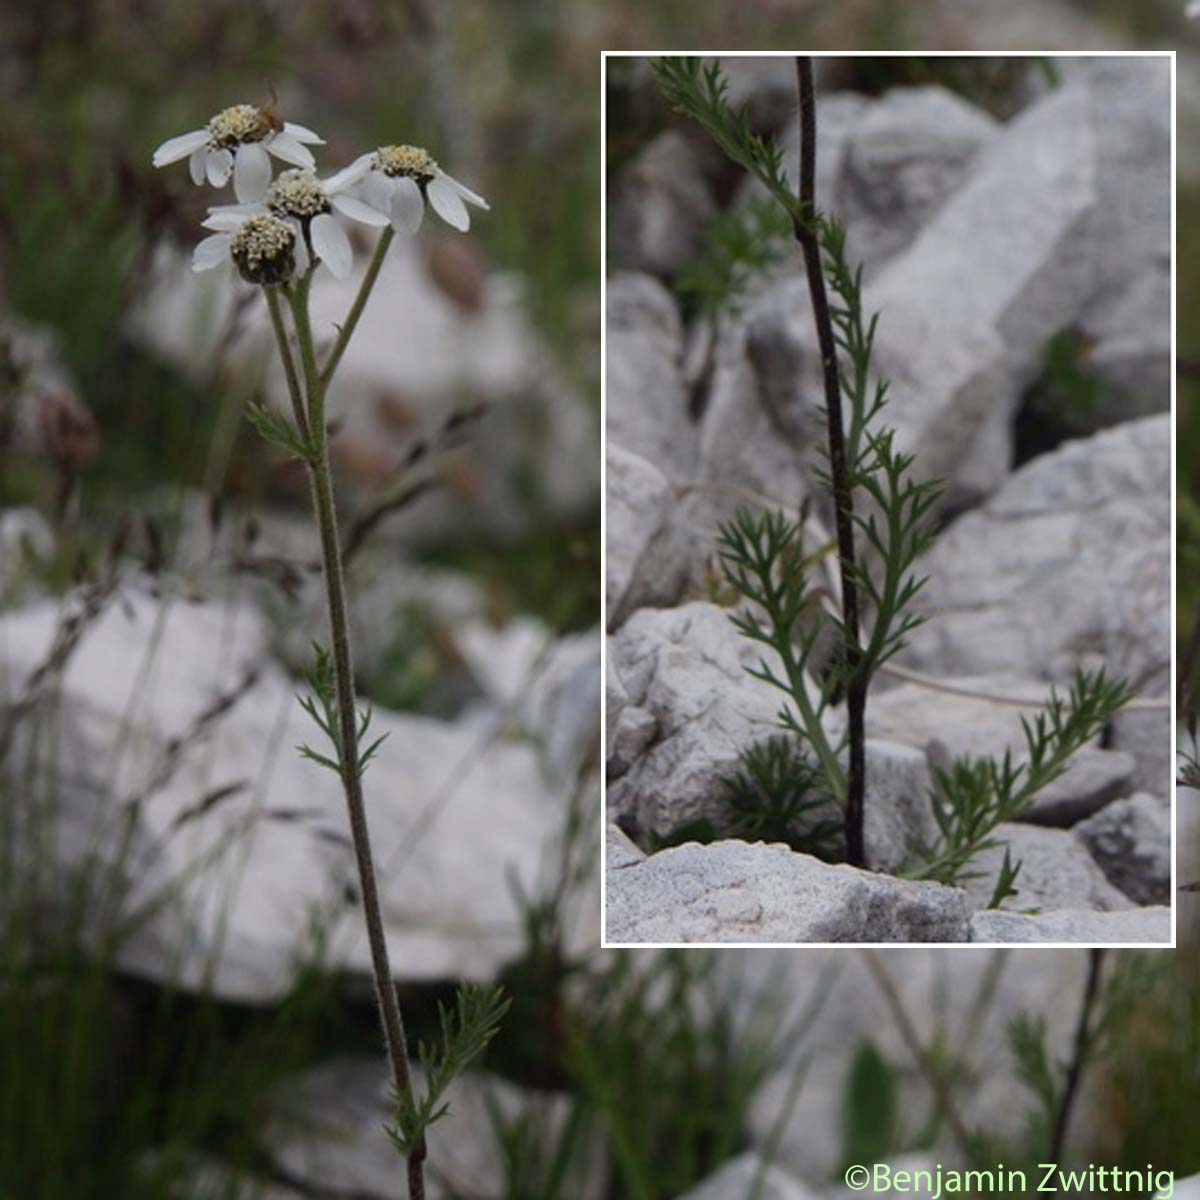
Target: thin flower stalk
276	237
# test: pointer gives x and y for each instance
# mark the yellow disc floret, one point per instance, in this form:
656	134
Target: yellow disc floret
297	193
264	250
239	124
405	160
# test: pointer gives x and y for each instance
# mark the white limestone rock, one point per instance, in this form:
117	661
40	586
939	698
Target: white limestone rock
414	356
684	671
620	850
328	1133
963	998
1131	840
646	401
1129	319
1093	778
1131	926
647	559
974	720
1054	570
966	715
246	872
549	687
1056	872
752	892
660	205
908	152
897	816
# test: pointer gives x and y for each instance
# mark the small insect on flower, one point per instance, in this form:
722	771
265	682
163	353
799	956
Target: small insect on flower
262	247
398	180
307	204
237	140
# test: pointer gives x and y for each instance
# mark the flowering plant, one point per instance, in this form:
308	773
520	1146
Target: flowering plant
276	236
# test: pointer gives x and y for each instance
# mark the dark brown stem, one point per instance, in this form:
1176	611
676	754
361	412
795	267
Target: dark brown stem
805	226
1083	1040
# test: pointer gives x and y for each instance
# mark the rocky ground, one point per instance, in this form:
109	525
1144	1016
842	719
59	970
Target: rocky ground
984	238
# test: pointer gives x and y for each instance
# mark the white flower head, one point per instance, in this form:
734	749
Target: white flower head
398	180
237	141
307	206
262	247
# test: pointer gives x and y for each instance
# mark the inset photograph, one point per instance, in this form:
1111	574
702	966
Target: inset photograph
888	502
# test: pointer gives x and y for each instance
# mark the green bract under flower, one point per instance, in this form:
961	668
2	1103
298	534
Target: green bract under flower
239	124
409	161
264	249
297	194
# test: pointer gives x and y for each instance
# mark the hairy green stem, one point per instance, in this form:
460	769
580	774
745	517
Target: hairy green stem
289	365
350	769
360	302
856	684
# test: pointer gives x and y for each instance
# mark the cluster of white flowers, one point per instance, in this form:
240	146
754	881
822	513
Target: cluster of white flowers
279	228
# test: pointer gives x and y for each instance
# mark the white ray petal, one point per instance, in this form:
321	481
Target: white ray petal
447	204
196	164
331	243
303	134
465	192
251	173
284	146
211	252
217	166
300	250
408	206
378	190
173	149
356	210
230	216
348	176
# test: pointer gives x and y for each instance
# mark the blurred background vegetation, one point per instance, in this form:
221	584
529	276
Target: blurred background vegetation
97	1069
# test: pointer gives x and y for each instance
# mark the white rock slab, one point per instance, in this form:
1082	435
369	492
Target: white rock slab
897	816
1093	778
549	687
1132	926
752	892
1067	564
620	850
697	711
1131	841
661	203
646	402
962	999
911	149
452	813
414	352
329	1132
647	556
1057	872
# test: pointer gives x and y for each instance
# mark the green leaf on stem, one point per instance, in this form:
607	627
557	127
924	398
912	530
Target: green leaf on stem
278	431
466	1030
